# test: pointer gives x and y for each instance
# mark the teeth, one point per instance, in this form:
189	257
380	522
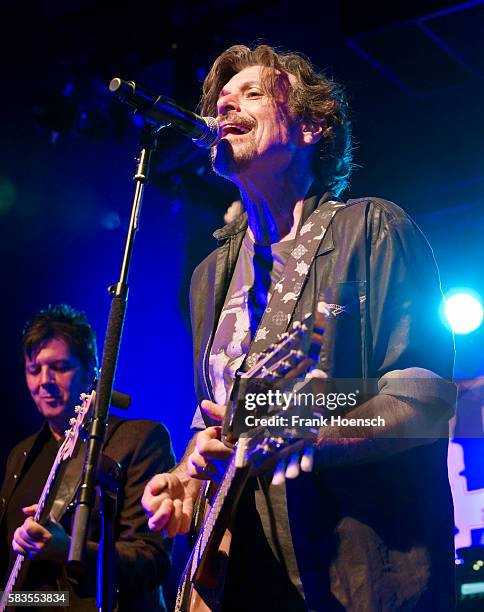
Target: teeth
231	129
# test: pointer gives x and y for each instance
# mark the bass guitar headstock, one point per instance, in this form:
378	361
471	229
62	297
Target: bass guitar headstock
76	425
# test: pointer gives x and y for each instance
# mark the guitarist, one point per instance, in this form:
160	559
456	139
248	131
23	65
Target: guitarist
60	357
372	527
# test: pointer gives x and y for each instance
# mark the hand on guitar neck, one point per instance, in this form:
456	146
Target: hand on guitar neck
210	457
49	542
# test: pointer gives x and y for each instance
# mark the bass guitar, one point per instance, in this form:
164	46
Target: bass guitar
64	453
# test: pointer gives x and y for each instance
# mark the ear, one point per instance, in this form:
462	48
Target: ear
311	132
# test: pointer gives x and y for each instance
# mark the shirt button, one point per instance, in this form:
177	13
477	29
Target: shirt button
15	476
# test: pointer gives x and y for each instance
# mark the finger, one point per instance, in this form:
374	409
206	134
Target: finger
187	514
30	510
292	469
213	410
210	446
35	531
158	484
161	517
154	494
173	525
26	547
279	476
316	373
307	460
198	467
20	550
32	543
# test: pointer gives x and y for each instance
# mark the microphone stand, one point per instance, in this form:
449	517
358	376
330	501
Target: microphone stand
87	492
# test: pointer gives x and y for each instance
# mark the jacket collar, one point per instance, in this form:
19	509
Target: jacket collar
241	222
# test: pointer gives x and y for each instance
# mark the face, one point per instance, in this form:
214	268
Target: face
258	133
55	378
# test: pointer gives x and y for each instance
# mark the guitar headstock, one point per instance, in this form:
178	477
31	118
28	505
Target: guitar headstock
282	363
294	352
76	423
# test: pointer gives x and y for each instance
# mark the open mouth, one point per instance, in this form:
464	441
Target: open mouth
233	128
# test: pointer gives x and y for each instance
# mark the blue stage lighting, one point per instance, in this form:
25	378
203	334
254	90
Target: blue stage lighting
464	312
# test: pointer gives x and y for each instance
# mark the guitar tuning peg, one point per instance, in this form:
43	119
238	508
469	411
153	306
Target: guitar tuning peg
67	432
292	470
77	409
307	460
72	421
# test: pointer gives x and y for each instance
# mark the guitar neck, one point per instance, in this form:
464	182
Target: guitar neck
213	522
38	516
198	569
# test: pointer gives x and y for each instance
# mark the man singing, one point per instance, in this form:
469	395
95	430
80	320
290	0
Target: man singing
60	357
372	527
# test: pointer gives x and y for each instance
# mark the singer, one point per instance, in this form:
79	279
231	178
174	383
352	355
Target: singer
60	358
371	528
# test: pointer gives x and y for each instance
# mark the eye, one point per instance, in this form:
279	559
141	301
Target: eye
62	366
32	370
254	93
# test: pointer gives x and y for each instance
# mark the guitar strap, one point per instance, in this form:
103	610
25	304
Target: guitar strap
279	312
72	474
71	479
280	309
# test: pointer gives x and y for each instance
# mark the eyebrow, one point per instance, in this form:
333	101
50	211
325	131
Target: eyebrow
244	87
55	362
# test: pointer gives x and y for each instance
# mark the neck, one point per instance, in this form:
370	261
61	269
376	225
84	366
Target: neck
274	204
58	428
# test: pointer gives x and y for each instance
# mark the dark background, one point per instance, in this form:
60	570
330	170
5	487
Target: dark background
414	75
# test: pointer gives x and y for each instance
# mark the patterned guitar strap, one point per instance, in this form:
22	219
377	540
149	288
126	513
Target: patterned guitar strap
279	312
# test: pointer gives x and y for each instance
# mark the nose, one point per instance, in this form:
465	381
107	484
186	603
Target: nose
227	103
46	376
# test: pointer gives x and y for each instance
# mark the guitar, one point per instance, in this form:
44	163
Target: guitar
201	585
63	454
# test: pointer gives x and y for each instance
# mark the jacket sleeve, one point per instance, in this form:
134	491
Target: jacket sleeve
142	557
412	352
409	353
404	297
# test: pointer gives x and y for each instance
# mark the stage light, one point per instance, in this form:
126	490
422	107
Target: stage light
463	312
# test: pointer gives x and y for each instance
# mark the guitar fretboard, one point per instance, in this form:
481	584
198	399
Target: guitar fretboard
14	574
212	516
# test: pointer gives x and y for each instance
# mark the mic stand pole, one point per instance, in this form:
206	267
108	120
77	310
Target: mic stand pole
119	294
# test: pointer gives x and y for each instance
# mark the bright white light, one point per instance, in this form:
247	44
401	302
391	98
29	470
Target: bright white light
464	313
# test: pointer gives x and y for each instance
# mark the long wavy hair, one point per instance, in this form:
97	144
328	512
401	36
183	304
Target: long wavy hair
315	98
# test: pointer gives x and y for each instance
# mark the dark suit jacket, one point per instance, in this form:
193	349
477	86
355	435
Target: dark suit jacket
143	449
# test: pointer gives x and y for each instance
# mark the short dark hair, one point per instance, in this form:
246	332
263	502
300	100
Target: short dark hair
62	321
316	98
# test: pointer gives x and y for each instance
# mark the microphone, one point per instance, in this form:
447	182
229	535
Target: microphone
204	131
